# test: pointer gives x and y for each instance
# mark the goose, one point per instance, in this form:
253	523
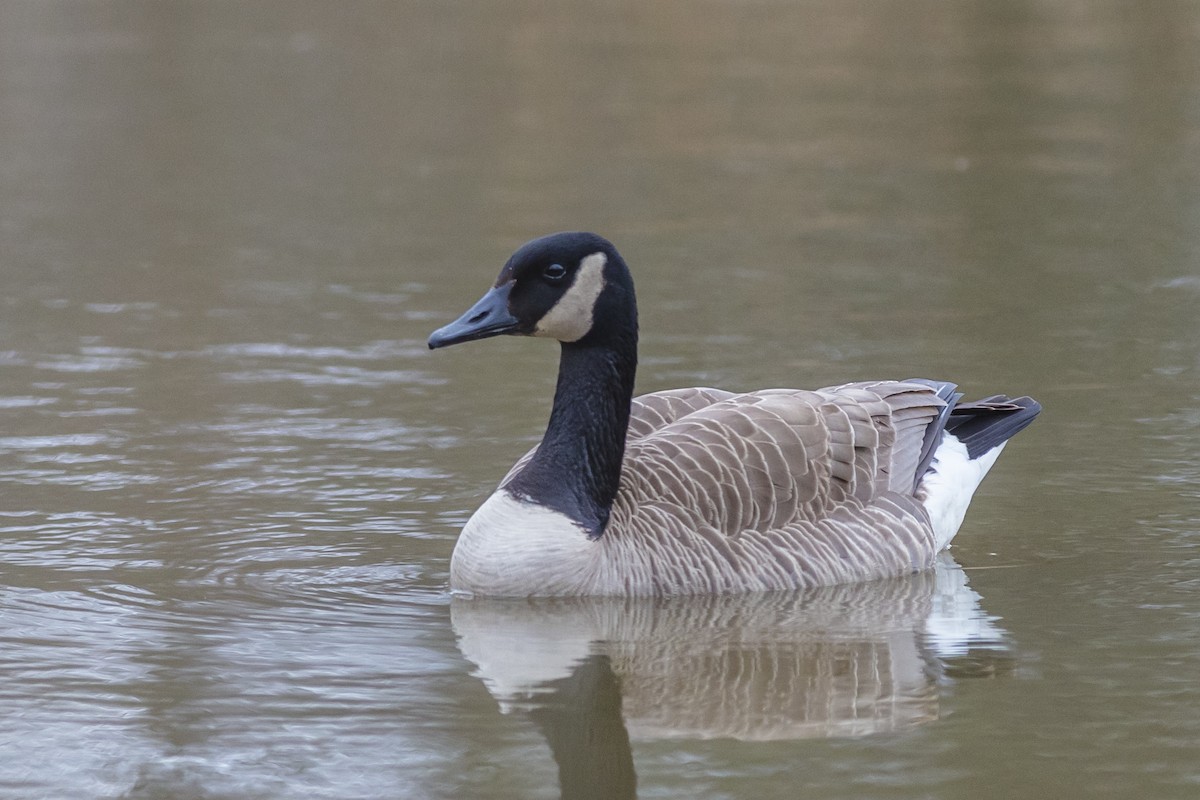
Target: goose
700	490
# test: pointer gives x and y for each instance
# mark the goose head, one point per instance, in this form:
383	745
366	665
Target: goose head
573	287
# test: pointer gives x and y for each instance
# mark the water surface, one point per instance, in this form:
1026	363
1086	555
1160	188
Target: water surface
231	475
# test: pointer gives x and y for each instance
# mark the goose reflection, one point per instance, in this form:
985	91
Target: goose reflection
841	661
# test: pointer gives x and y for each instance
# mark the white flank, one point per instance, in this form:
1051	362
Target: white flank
946	489
513	548
571	317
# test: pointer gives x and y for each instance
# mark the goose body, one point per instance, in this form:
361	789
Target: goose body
701	490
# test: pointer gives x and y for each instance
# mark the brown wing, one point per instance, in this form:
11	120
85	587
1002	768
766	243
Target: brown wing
775	489
762	460
651	412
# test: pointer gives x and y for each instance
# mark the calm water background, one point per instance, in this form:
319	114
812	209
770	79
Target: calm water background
231	475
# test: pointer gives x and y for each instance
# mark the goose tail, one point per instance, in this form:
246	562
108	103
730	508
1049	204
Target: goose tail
960	446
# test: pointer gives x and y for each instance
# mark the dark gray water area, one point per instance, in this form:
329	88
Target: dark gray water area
231	474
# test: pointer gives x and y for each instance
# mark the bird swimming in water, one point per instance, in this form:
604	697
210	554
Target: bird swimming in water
699	490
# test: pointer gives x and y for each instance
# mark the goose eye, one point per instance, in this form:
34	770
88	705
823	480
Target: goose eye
554	273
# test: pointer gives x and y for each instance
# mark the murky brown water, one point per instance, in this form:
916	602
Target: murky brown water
231	475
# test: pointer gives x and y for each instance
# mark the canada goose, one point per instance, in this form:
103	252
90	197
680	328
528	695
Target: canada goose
700	490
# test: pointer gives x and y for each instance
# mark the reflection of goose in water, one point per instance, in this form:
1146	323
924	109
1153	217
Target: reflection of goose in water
851	660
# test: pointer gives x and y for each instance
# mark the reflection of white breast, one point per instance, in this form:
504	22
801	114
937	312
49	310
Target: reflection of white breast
839	661
517	647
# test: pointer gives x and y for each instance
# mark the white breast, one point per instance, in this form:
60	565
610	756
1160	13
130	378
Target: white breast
513	548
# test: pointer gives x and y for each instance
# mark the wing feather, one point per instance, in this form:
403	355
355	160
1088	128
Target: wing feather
759	462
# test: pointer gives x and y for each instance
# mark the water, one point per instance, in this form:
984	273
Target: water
231	475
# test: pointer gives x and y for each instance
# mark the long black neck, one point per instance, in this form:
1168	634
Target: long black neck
577	467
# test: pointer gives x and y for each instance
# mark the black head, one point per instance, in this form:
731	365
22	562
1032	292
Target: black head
573	287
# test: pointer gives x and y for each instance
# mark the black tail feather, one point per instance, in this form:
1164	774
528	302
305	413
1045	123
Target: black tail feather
980	425
988	423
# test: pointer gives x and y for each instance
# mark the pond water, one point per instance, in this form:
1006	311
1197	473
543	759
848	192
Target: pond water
231	474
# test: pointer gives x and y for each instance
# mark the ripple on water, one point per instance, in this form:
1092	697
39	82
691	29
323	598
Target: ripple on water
300	579
14	444
218	594
206	648
371	351
236	680
334	376
26	401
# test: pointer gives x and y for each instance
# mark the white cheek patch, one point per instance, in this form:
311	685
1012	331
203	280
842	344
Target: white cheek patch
570	319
